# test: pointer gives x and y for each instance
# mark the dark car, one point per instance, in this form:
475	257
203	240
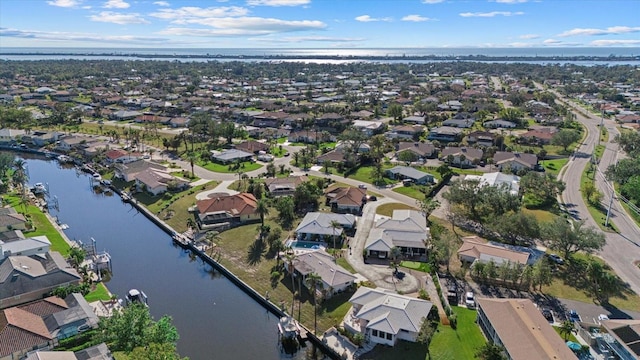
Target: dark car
373	198
399	274
547	314
574	316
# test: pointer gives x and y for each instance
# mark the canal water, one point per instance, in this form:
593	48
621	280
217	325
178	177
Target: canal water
215	319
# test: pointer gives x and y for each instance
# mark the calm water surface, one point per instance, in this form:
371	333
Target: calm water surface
215	319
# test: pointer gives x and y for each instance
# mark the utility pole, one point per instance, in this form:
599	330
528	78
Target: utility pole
613	192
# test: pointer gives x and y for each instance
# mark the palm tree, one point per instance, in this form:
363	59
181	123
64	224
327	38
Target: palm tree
290	258
314	281
212	238
334	225
262	208
20	176
566	329
239	173
191	156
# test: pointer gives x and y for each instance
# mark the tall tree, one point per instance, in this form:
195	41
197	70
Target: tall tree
566	328
335	226
490	351
262	208
314	282
571	237
565	137
428	205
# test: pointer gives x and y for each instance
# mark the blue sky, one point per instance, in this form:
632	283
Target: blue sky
319	23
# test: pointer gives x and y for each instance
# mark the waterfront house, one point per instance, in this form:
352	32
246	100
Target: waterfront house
10	219
517	325
69	143
384	317
36	245
334	278
226	211
28	278
316	226
22	332
97	352
346	199
129	171
121	156
410	174
515	161
283	186
157	182
73	315
230	156
406	230
10	135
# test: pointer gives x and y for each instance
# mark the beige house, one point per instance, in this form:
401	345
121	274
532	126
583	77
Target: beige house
334	278
518	326
475	249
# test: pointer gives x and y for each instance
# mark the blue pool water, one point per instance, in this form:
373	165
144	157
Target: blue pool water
297	244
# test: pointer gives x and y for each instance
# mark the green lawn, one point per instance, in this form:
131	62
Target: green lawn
345	264
387	209
447	344
415	265
99	293
597	211
540	215
41	225
571	337
231	168
363	174
413	191
554	166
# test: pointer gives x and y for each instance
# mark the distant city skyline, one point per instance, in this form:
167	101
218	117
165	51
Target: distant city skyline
320	23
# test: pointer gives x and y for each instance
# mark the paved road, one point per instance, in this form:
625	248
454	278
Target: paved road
622	249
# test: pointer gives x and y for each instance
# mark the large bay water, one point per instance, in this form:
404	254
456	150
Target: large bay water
215	319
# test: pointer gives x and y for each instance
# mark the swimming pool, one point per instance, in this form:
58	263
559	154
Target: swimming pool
297	244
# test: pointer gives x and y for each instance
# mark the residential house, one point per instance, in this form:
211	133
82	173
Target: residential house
369	128
277	187
517	325
515	161
122	115
462	156
310	136
406	230
476	249
451	105
97	352
75	315
384	317
414	119
622	337
482	138
538	137
422	150
36	245
408	173
333	277
252	146
151	118
21	332
10	219
157	182
317	226
333	157
231	156
69	143
226	211
129	171
459	123
499	123
405	132
508	182
445	134
42	138
121	156
346	199
347	145
28	278
10	135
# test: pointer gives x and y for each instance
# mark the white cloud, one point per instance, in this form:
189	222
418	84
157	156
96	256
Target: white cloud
432	1
618	42
529	36
116	4
416	18
367	18
118	18
161	3
298	39
552	42
613	30
520	44
180	15
277	2
237	26
65	3
491	14
71	36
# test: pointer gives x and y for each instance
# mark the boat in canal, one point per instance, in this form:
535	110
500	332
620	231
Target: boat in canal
289	330
39	189
135	296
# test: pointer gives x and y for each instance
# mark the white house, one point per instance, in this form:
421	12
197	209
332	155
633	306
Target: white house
36	245
510	183
406	230
317	225
385	317
334	277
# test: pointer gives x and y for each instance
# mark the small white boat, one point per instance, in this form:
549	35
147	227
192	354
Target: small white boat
64	226
136	296
288	327
97	176
39	188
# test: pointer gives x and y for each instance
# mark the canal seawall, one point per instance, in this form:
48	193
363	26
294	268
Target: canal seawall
189	245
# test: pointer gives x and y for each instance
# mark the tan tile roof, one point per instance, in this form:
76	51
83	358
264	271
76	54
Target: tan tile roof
237	205
475	247
27	321
350	196
523	331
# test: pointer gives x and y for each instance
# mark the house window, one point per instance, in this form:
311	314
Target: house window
389	336
374	332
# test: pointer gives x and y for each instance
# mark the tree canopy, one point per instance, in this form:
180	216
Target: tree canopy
571	237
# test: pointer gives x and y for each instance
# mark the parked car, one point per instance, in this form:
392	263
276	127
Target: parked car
556	259
602	317
372	198
362	186
574	316
470	300
546	312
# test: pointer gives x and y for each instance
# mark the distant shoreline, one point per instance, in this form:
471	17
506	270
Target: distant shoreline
275	57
